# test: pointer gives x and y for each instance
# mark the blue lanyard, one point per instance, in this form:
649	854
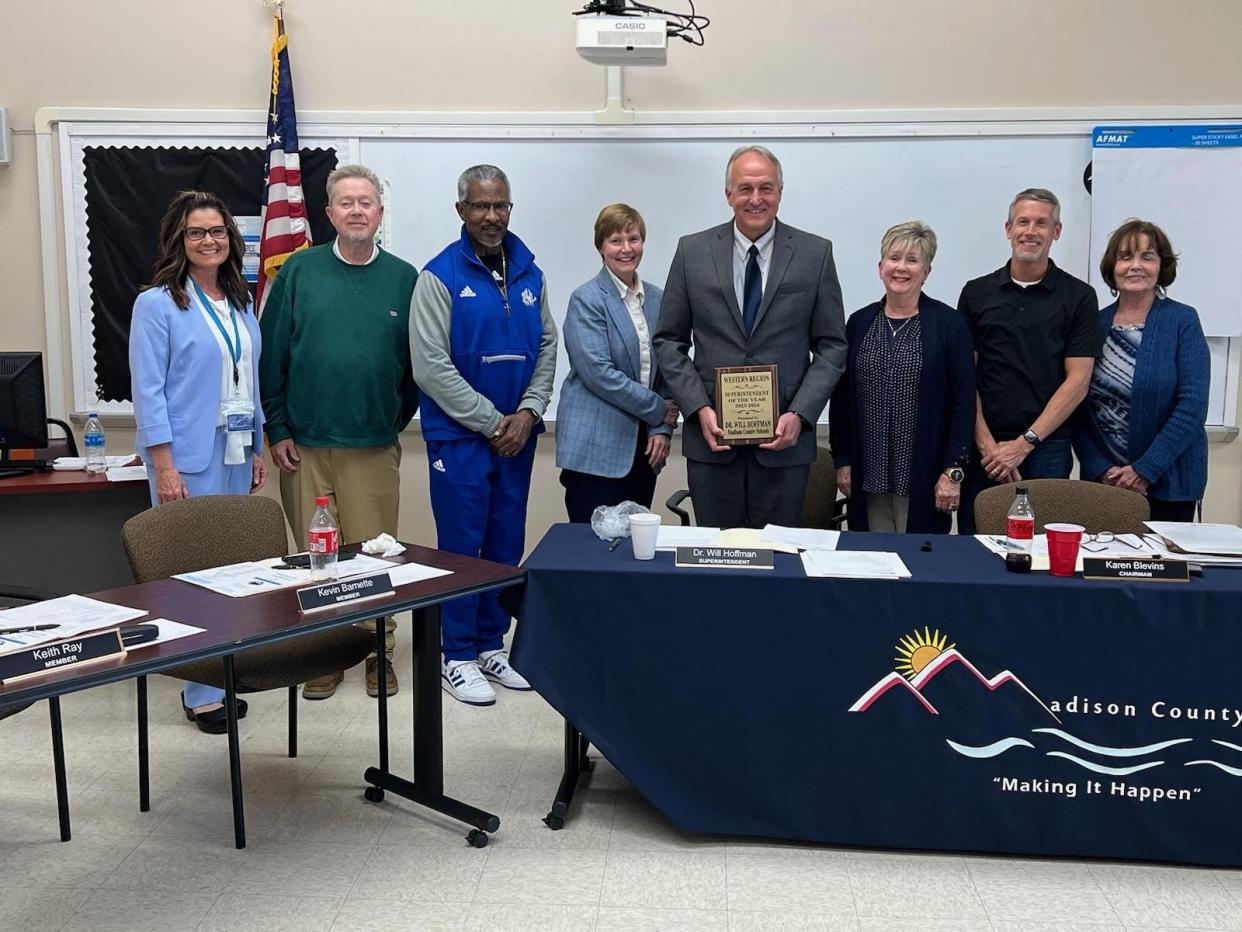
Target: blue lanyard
234	344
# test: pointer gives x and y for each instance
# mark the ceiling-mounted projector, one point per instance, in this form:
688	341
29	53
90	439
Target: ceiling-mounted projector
623	40
629	32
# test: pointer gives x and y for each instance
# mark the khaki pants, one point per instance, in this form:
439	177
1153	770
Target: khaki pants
887	512
363	486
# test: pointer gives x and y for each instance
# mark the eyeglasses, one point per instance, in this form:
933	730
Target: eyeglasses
482	208
195	234
1102	540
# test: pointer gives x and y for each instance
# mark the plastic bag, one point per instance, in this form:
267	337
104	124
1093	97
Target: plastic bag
612	521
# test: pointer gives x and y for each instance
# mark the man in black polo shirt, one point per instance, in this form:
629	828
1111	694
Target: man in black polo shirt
1037	333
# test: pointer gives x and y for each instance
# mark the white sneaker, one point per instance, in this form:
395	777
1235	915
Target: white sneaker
463	680
495	666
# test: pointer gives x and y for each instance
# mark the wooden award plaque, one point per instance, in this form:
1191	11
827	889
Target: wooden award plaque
747	404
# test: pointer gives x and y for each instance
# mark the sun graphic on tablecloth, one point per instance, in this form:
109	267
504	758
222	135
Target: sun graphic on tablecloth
917	649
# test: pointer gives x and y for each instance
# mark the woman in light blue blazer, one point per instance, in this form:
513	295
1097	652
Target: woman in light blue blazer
194	373
614	418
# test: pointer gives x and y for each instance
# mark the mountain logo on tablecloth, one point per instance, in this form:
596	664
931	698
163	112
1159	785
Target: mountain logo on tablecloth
924	655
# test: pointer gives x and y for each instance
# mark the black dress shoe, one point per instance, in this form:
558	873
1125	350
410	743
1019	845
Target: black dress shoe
216	721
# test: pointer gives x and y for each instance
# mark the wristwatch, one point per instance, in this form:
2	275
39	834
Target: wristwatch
1031	437
955	473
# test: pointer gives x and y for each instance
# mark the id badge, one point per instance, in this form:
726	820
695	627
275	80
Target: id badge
238	416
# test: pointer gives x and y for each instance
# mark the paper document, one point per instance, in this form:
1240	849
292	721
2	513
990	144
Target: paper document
126	473
58	619
408	573
856	564
673	536
749	538
801	537
1162	549
169	631
71	463
1219	539
242	579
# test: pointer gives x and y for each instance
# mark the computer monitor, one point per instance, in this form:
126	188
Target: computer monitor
23	407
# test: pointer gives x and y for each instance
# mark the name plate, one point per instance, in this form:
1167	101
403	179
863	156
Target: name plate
1144	569
73	652
737	558
325	595
746	403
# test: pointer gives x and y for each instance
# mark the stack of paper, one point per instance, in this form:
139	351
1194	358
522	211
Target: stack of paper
126	473
673	536
243	579
855	564
57	619
802	537
1206	544
70	463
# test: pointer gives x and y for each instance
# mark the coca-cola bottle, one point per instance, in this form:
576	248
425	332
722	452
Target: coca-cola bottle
1020	527
323	541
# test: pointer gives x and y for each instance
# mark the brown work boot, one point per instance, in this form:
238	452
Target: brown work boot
390	678
323	687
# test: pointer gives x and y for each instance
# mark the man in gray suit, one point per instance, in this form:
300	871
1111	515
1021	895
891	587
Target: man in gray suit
748	293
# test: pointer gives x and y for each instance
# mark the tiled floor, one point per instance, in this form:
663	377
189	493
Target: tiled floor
320	858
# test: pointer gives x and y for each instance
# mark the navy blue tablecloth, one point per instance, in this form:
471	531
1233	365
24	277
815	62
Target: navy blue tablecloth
966	708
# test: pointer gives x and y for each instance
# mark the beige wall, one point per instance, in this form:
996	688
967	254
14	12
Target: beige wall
500	56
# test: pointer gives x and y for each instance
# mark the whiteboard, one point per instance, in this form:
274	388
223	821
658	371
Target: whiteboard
848	182
1187	180
848	189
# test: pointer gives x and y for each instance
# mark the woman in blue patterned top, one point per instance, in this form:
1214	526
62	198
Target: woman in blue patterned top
902	416
1141	427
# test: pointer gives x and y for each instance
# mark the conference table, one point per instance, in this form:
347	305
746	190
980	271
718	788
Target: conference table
233	625
61	530
966	708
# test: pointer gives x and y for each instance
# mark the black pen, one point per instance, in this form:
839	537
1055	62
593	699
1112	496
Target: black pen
28	628
616	542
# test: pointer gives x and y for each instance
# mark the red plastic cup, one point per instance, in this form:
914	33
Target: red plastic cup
1063	542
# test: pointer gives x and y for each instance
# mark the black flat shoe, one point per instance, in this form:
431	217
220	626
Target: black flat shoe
214	722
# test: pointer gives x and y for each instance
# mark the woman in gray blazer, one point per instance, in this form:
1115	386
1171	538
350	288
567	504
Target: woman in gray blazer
613	421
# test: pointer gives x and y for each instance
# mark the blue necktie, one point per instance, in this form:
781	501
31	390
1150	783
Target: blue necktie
752	290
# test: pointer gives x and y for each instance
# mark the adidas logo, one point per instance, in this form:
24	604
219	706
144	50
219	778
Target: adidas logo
467	292
438	465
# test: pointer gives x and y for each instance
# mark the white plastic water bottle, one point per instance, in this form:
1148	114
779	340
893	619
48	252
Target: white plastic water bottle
96	461
1020	526
323	541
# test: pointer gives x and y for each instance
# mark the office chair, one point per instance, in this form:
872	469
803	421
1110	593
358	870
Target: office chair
1097	507
820	508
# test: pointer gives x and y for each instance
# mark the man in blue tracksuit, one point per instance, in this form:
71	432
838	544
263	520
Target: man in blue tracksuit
483	349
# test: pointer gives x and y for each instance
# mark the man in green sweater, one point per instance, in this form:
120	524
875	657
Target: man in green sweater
336	383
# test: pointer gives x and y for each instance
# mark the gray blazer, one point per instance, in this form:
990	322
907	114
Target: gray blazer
602	400
800	329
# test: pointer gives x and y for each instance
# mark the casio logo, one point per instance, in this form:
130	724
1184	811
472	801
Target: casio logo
637	25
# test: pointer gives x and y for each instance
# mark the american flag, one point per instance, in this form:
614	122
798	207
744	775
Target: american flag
284	229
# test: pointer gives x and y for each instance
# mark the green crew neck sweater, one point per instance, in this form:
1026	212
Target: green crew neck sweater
335	367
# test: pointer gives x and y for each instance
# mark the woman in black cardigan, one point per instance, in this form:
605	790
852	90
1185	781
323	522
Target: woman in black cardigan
902	417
